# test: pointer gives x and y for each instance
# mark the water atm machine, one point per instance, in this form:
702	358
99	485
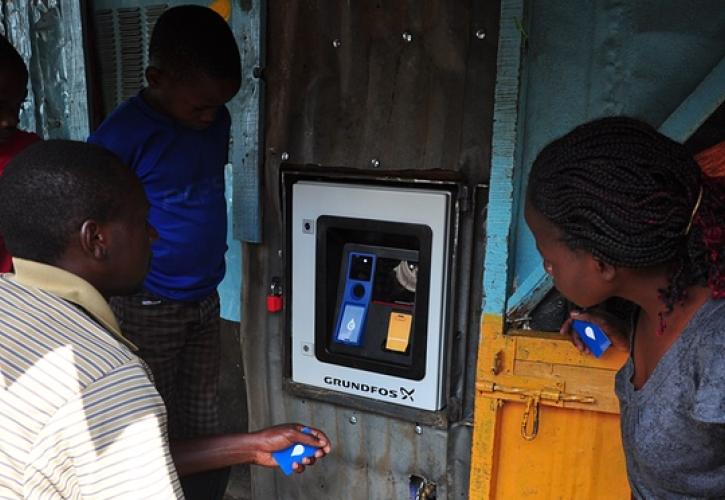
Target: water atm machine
369	290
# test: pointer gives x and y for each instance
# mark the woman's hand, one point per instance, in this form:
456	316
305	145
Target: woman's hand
282	436
608	323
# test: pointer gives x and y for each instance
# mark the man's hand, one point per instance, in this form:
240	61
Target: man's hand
280	437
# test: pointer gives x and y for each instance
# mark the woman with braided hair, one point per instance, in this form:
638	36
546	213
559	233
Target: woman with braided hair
619	210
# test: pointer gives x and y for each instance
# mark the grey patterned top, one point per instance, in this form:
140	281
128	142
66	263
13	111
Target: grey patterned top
673	428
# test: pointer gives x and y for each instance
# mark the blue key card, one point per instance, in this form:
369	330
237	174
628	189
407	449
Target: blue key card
295	453
593	336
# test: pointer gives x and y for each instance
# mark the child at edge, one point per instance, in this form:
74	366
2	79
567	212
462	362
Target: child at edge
619	210
13	90
175	137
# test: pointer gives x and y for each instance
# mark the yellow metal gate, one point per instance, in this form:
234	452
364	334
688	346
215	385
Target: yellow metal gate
547	419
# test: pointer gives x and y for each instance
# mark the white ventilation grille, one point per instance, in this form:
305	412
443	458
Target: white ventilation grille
122	40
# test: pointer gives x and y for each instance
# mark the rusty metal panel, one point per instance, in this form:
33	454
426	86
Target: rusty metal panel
373	457
409	84
378	86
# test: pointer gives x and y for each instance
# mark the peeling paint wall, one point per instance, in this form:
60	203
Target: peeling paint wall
49	35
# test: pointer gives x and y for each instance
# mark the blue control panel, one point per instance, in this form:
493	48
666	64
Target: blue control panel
355	299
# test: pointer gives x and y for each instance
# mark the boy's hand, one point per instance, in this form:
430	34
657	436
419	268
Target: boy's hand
603	321
282	436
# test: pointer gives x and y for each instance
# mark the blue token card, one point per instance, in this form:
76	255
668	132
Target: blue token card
593	336
295	453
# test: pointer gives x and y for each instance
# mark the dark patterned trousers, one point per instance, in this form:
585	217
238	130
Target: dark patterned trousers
180	343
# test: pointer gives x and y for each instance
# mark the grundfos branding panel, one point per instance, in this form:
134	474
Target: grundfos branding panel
369	290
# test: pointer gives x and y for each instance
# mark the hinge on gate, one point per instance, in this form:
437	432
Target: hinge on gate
533	397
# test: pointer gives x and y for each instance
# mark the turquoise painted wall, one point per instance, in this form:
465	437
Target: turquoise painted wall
582	60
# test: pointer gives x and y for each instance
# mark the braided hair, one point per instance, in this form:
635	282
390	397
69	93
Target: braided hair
634	198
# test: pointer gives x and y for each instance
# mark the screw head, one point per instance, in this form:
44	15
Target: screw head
353	420
285	156
407	37
375	163
481	34
336	43
418	430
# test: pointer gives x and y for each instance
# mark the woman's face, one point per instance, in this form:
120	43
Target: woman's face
581	278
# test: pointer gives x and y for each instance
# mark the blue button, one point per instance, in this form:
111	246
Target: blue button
350	328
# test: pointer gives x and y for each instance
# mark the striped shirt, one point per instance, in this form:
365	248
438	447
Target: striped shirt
79	417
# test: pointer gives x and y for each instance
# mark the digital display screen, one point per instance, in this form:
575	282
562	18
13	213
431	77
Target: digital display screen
361	267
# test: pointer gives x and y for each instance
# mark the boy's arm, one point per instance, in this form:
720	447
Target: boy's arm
214	452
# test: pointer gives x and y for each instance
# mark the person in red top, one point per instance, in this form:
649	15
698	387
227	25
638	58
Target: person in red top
13	90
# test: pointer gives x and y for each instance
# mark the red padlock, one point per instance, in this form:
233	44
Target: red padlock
274	303
274	299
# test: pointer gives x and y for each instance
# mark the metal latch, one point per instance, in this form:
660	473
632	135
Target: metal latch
533	399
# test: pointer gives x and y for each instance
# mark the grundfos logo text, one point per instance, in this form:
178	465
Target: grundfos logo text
401	393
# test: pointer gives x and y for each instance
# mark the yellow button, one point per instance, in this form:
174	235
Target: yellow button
398	331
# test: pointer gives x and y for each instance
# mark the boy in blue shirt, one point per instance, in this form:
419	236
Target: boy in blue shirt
175	136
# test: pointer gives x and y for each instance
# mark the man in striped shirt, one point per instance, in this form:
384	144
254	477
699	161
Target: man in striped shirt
79	417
